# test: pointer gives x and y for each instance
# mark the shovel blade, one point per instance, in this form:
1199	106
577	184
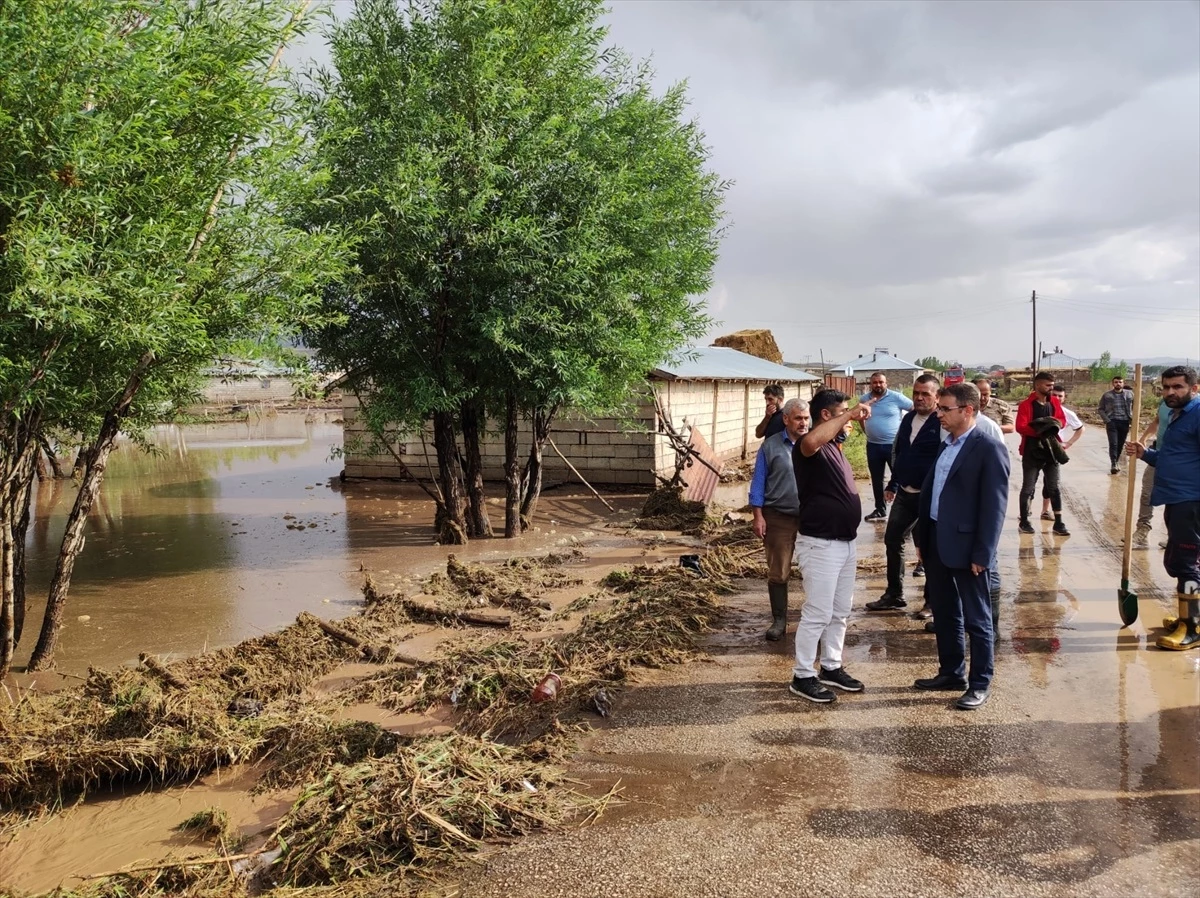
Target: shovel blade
1127	604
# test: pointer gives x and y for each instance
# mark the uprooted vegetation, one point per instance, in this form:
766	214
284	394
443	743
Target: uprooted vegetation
375	807
666	509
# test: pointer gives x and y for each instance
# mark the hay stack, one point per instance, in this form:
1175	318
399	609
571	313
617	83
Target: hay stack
759	343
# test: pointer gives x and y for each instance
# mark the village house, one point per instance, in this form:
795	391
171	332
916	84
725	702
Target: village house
716	391
899	373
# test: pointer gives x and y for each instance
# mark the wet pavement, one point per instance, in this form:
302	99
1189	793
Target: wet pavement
1081	777
227	531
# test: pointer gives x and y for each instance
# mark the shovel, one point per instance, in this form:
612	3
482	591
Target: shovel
1127	600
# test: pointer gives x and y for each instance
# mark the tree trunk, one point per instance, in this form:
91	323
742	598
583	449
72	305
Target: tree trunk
453	527
512	471
19	533
52	458
96	456
533	468
18	467
473	422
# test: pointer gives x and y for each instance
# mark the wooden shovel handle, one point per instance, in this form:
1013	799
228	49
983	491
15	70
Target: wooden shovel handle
1131	468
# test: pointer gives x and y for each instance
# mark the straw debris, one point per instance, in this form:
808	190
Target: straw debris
429	803
666	509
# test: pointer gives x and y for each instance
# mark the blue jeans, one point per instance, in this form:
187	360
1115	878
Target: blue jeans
878	456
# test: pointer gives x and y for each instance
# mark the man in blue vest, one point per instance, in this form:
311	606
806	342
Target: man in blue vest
887	408
776	508
915	450
1176	464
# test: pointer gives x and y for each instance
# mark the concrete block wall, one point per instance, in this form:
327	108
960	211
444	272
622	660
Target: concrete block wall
739	407
238	390
604	450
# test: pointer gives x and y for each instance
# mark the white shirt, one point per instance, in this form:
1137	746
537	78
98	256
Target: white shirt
1073	424
990	428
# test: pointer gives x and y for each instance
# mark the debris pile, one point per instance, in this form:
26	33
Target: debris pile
666	509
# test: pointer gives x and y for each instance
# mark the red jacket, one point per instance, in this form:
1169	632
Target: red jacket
1025	416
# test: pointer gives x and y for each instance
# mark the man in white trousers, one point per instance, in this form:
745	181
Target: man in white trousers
830	511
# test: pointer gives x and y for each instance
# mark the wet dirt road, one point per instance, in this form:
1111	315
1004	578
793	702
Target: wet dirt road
1081	777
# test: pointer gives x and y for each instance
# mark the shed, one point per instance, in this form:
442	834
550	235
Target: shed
898	372
716	390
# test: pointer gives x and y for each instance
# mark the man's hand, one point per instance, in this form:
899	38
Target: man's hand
889	496
760	524
977	569
772	408
1137	449
862	411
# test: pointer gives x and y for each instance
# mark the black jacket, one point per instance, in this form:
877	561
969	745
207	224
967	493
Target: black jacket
911	462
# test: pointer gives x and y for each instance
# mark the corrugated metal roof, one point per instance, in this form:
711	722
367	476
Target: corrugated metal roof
877	361
723	363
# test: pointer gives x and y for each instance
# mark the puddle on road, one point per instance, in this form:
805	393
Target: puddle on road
230	530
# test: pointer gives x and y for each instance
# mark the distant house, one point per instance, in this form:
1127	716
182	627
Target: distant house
898	372
716	390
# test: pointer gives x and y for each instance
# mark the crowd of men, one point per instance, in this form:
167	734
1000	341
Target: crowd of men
947	482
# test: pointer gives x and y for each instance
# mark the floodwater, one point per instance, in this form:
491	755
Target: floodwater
228	531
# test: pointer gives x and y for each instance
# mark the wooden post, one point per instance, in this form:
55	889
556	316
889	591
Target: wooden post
716	398
745	421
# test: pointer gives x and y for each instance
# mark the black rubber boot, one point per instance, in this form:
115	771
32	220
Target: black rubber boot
779	602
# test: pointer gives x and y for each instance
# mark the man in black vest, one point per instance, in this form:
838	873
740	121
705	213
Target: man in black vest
913	455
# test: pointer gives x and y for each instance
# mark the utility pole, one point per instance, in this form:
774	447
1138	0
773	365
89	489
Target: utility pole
1036	361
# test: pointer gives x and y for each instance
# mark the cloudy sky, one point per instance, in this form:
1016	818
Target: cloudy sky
907	172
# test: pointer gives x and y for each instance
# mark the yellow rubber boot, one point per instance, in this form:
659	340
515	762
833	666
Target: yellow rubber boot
1185	629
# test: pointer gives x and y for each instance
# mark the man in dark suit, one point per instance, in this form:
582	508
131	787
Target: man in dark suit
963	501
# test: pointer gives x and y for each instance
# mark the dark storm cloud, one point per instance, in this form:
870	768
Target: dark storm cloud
947	155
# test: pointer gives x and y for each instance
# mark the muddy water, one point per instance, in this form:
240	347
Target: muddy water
228	531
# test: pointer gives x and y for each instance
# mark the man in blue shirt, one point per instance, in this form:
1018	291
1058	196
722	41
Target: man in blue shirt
887	410
1176	464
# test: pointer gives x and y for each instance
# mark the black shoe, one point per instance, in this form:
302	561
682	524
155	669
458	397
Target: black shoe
1060	529
930	627
926	613
811	689
840	679
941	683
887	602
919	570
972	699
1047	516
876	515
1025	527
1114	470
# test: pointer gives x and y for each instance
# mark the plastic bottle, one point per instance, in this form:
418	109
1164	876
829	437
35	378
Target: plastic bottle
547	688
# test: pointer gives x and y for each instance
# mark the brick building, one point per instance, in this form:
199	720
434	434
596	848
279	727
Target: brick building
717	391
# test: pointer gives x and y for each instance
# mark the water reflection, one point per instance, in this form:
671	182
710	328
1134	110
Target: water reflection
221	532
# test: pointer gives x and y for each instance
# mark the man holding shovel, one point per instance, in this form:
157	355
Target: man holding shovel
1176	464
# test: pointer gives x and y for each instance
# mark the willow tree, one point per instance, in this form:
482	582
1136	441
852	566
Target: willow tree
152	169
540	224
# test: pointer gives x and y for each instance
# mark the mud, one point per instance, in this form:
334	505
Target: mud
115	829
1080	777
230	530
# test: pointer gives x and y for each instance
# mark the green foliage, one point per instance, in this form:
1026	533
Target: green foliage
932	362
152	166
1103	370
535	220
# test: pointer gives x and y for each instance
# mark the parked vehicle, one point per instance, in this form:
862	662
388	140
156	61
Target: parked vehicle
953	374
